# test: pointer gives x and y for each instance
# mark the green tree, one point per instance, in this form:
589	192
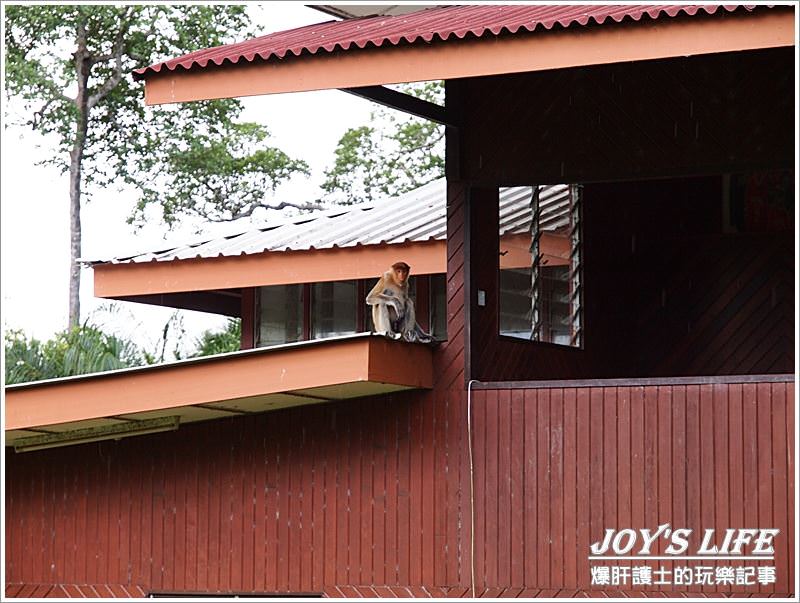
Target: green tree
70	66
75	351
395	153
220	342
219	176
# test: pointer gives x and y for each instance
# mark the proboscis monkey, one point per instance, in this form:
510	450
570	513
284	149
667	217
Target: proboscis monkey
392	309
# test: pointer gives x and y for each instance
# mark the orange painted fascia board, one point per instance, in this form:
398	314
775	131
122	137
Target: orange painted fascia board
268	268
238	375
386	365
297	267
542	50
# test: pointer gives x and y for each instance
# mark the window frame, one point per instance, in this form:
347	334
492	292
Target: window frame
574	231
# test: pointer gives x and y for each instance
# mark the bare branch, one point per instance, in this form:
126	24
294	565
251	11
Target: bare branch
136	57
214	191
56	93
309	205
118	42
38	116
108	85
102	58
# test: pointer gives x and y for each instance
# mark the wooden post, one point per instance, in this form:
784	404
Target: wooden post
248	314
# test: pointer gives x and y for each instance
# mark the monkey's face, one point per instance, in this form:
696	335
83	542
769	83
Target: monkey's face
400	275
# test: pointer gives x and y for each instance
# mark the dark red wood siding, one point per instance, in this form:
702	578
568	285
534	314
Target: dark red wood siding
374	493
707	114
287	502
74	591
578	460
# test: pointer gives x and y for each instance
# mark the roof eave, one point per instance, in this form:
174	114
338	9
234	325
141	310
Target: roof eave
222	386
265	269
477	56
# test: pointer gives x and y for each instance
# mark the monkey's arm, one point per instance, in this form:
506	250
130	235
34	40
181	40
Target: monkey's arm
379	295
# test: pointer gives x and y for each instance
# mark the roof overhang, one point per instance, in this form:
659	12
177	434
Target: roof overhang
470	57
146	399
155	281
264	269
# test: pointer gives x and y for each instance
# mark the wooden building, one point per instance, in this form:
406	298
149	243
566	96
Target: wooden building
488	464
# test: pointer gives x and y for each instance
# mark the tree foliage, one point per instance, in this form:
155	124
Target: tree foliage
220	342
44	45
219	177
395	153
70	66
76	351
90	349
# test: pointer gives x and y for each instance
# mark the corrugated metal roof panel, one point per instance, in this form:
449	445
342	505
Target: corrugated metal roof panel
425	26
350	11
423	218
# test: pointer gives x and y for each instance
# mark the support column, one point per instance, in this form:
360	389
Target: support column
248	314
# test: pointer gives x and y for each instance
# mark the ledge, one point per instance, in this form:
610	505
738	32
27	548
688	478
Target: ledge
246	382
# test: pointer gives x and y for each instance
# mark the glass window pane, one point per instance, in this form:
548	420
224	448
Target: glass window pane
280	314
333	309
547	306
515	302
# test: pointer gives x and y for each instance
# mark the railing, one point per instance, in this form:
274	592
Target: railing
637	381
559	462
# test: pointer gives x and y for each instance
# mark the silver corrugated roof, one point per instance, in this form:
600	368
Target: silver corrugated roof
423	219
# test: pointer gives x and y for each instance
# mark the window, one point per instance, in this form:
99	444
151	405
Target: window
515	302
333	309
515	305
540	264
289	313
280	314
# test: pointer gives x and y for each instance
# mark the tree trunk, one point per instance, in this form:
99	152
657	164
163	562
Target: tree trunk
82	67
76	156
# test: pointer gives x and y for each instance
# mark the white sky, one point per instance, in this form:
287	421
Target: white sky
35	208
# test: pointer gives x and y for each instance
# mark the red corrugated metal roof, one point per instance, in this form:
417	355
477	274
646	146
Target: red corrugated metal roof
444	23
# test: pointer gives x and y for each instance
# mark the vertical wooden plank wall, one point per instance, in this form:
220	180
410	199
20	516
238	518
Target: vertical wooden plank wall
372	496
696	455
292	501
327	498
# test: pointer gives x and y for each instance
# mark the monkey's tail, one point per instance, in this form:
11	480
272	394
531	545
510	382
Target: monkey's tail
419	335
